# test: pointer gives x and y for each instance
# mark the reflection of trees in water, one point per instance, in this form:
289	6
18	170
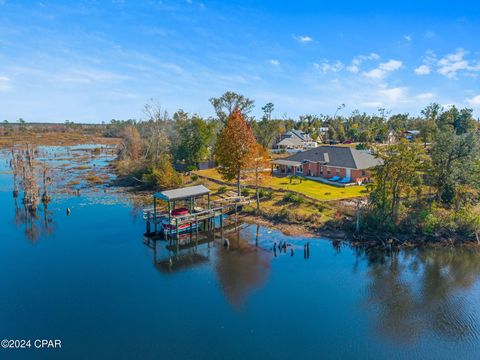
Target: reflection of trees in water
34	224
417	292
241	268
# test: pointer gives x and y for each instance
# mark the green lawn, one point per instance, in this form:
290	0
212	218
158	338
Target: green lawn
310	188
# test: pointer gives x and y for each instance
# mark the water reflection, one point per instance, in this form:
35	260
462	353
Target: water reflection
61	169
416	292
242	267
35	225
170	257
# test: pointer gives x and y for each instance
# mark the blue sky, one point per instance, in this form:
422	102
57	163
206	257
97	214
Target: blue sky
91	61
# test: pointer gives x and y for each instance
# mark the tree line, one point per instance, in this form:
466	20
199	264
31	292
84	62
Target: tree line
190	139
432	189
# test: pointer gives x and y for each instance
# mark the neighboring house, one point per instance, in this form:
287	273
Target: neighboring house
411	134
338	162
295	139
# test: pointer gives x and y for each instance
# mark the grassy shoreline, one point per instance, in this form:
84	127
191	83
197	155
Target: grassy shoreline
333	219
322	211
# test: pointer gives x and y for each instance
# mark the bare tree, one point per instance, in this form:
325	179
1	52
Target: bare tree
228	102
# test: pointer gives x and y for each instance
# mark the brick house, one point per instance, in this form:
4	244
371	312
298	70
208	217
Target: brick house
327	162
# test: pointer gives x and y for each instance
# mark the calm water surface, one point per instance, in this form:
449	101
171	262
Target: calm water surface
92	281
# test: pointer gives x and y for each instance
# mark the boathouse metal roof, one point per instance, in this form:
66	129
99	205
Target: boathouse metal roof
182	193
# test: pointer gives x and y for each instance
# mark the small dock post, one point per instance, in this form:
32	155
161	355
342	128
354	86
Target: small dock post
154	213
177	235
196	230
148	224
212	220
221	224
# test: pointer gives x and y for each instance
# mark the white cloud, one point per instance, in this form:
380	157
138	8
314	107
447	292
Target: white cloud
303	38
86	76
4	83
453	64
474	101
274	62
407	38
422	70
429	34
425	96
393	95
391	65
384	69
354	67
325	66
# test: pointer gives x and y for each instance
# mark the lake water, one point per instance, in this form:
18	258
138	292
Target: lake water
91	280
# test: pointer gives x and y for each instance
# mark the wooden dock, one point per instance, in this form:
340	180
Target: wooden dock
198	220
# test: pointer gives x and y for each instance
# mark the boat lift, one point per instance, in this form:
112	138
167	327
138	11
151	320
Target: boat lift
190	217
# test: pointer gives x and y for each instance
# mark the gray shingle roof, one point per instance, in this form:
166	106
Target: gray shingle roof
291	141
301	135
340	156
287	162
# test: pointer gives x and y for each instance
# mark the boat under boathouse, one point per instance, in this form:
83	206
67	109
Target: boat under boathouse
188	209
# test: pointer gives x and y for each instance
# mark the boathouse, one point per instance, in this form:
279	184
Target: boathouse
185	213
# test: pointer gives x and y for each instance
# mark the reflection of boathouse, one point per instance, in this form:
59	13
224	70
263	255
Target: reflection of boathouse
170	257
241	267
188	249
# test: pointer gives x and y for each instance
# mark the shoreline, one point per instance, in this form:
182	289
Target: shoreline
366	240
290	229
379	240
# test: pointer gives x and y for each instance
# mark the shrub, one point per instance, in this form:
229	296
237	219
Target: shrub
194	177
286	215
293	198
222	189
162	176
245	192
191	168
265	194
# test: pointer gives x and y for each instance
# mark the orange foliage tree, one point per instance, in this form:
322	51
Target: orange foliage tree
235	148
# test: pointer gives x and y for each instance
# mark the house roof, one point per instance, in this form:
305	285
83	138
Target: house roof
182	193
297	134
287	162
290	141
412	132
301	135
341	156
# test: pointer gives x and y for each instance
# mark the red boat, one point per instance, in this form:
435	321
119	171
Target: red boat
171	228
